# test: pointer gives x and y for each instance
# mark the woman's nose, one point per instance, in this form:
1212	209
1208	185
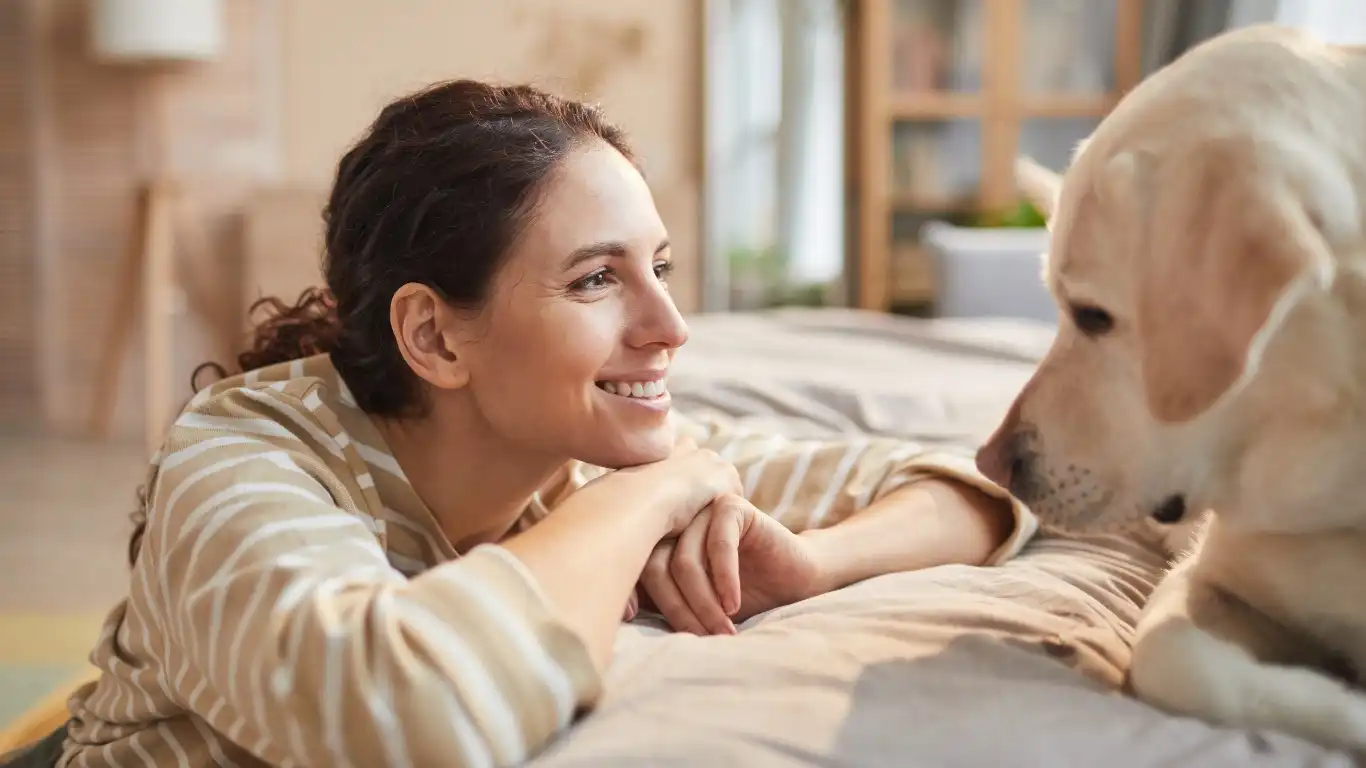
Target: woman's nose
659	322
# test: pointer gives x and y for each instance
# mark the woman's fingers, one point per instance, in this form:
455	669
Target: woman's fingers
632	606
668	600
723	551
689	569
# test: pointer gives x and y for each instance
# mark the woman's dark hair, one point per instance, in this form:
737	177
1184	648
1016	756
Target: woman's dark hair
435	192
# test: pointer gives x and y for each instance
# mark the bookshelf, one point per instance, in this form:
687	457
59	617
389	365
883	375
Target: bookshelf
944	94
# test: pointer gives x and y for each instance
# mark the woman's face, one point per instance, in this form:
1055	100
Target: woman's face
571	353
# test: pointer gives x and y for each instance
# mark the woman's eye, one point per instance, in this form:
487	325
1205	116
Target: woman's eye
1091	320
596	281
591	282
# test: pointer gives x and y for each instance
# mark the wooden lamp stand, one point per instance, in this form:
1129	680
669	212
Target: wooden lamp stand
147	285
158	33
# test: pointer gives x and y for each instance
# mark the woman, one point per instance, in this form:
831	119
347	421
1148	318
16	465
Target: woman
347	554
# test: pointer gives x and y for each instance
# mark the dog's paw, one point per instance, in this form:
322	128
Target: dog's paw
1344	723
1310	705
1183	669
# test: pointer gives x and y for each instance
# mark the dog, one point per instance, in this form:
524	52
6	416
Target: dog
1209	371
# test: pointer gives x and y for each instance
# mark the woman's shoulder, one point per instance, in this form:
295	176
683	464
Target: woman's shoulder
281	433
294	378
299	408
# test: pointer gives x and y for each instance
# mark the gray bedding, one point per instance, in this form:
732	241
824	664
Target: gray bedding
1019	665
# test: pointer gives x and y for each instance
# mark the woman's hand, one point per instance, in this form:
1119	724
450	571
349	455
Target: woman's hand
732	562
680	487
588	554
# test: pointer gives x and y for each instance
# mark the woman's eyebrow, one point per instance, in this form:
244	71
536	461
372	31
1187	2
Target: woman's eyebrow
593	251
610	249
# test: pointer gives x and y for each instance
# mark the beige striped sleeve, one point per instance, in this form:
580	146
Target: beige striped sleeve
816	483
287	630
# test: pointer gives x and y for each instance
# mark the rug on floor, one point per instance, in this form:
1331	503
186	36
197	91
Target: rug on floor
39	655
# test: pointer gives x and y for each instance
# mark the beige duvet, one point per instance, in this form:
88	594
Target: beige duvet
1010	666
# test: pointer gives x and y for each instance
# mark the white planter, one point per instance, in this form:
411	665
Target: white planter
988	272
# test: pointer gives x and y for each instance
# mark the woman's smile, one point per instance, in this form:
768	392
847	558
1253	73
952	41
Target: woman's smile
647	390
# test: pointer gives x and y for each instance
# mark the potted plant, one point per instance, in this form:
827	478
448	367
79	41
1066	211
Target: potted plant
989	265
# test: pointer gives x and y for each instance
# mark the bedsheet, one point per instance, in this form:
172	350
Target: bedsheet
1020	665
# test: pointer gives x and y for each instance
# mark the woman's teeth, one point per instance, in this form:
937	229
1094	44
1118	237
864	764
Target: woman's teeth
641	389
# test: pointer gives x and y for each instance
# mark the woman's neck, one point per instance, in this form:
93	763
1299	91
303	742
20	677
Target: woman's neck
475	483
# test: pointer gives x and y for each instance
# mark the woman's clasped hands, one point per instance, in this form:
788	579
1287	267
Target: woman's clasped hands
730	562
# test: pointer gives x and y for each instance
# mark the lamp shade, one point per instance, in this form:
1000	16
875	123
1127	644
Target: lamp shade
156	30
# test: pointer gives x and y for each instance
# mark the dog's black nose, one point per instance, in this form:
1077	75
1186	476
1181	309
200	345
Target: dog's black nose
1017	479
1009	460
1171	510
1026	484
996	458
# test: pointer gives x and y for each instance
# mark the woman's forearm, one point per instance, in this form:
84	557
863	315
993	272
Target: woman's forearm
587	559
927	523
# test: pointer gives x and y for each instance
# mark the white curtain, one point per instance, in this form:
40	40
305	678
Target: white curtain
810	146
1333	21
775	75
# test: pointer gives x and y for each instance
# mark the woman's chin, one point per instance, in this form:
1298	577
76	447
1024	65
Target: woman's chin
633	450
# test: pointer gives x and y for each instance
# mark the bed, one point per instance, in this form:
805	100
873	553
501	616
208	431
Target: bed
1013	666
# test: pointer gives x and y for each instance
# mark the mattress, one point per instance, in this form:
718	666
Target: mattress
1019	665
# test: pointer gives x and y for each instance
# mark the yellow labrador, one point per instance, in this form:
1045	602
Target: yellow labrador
1207	249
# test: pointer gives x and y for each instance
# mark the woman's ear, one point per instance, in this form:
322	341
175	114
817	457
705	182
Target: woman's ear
1039	185
426	330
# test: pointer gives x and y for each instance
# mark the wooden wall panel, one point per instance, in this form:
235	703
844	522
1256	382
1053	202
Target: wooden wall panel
19	392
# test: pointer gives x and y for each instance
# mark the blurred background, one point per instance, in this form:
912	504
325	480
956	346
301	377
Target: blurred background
163	163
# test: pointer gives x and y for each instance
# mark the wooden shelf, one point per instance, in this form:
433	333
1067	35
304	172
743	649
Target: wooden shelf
884	271
957	106
912	278
910	202
937	106
1068	105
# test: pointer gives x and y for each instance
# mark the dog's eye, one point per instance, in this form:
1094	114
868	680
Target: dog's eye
1092	321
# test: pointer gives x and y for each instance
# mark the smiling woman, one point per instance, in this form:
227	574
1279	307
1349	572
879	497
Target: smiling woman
407	531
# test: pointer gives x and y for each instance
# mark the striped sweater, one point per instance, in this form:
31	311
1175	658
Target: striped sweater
295	603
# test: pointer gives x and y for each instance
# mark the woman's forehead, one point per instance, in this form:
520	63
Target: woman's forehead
595	196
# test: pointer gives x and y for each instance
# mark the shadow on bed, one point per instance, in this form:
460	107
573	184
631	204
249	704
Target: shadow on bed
986	700
1019	665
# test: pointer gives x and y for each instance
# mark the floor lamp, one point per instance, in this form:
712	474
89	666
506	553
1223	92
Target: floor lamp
153	37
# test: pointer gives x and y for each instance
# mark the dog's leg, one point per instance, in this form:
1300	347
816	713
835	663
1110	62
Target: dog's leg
1196	654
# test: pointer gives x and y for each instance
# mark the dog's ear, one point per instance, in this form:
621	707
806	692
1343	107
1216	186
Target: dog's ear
1039	185
1229	250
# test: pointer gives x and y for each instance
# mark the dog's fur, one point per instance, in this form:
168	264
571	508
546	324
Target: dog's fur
1217	215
